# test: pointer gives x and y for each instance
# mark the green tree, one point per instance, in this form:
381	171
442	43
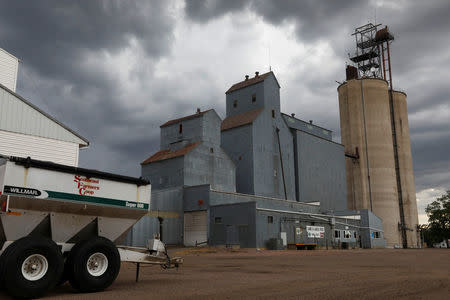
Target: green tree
438	213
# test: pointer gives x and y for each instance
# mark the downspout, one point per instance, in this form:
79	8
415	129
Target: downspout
402	224
296	167
281	161
365	140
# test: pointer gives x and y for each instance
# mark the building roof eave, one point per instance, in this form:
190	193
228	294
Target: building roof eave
242	119
166	154
47	115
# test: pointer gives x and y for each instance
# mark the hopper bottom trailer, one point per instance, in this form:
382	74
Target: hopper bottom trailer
60	223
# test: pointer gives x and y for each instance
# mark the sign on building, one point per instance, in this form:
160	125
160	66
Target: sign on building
315	231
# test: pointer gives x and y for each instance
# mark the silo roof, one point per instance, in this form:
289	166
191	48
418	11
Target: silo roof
250	81
240	119
167	154
174	121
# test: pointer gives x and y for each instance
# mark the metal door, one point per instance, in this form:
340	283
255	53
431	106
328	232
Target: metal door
243	236
232	235
195	228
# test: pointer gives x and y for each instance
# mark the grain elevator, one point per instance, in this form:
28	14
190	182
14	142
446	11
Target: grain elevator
375	134
259	178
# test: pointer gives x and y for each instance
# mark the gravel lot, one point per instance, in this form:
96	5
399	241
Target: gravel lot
319	274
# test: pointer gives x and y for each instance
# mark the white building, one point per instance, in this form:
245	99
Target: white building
25	130
9	65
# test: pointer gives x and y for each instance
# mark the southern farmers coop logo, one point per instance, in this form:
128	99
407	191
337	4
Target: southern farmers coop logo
86	186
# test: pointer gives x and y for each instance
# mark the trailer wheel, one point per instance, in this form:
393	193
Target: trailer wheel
93	265
32	267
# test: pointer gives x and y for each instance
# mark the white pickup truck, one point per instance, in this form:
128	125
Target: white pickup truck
61	223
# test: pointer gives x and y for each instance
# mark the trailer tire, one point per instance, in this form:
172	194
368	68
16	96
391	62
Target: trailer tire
64	277
24	281
3	259
93	265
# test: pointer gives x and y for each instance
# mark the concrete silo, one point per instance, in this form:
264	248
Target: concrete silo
367	136
406	168
375	133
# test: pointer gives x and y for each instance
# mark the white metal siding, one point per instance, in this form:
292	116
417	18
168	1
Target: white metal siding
195	227
18	116
8	70
22	145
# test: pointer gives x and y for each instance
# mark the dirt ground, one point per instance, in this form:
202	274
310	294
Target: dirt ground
317	274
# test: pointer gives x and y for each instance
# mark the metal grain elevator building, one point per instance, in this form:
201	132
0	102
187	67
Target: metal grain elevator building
278	155
258	175
375	133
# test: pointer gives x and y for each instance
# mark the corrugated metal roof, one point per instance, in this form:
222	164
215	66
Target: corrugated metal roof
250	81
19	115
196	115
167	154
241	119
308	128
286	116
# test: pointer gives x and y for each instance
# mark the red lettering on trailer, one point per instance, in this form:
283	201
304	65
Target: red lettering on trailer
86	186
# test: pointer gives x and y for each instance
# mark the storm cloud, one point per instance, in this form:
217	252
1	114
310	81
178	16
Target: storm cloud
116	70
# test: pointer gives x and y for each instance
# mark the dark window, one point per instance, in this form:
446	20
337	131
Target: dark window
180	128
270	219
218	220
211	150
235	103
354	234
254	98
273	113
337	234
377	234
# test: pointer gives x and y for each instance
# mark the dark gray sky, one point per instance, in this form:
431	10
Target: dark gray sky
116	70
